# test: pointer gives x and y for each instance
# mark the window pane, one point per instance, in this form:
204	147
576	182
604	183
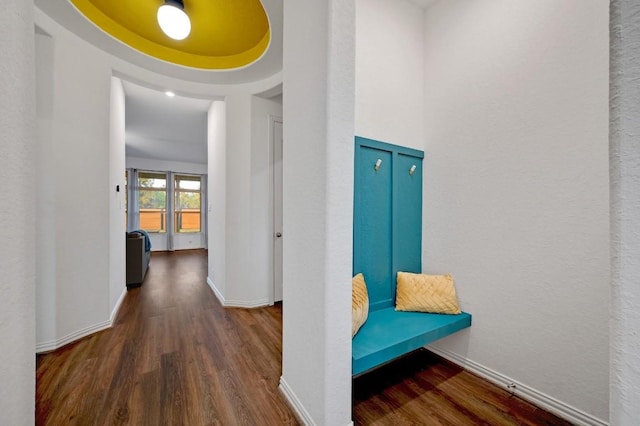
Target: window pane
187	200
187	211
187	220
150	199
191	183
153	220
152	180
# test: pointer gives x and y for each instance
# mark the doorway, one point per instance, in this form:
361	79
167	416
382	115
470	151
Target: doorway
276	144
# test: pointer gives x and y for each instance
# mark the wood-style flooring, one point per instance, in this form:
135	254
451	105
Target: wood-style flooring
176	357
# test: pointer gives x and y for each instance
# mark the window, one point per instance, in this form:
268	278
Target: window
187	203
152	201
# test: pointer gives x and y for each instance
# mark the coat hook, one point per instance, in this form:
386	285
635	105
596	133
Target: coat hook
377	166
412	169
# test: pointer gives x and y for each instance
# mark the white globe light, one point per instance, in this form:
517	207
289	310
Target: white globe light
174	22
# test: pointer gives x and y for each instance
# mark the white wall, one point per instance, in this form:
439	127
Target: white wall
318	101
516	189
625	212
238	203
389	72
17	213
117	198
217	196
80	163
262	196
45	194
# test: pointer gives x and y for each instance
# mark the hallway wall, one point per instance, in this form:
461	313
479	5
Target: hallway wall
517	191
17	213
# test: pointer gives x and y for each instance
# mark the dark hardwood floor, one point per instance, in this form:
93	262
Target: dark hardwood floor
424	389
176	357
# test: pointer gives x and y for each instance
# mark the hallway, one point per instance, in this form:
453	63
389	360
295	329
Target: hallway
174	357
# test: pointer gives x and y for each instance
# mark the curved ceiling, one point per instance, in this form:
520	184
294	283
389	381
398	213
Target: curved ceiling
266	68
224	34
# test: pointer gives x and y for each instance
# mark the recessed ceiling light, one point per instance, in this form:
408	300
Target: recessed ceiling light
169	93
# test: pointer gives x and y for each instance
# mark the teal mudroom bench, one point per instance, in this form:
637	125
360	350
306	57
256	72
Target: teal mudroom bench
387	238
388	334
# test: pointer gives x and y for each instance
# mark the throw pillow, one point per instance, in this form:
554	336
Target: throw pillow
426	293
359	303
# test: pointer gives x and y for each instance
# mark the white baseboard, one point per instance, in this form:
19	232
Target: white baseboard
536	397
47	346
259	303
298	409
215	290
295	404
116	308
72	337
52	345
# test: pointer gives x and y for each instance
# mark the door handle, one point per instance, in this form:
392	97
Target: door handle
278	234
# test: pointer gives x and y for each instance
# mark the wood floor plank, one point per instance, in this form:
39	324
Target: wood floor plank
176	357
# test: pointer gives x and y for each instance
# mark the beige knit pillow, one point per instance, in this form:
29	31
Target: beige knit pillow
426	293
359	303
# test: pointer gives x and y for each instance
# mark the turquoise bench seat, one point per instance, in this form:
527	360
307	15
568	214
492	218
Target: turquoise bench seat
388	334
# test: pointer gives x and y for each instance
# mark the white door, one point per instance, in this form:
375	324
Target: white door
277	211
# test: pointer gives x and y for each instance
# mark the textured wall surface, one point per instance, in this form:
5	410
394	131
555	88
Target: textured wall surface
45	194
217	194
117	249
390	72
317	207
80	173
517	188
625	212
17	213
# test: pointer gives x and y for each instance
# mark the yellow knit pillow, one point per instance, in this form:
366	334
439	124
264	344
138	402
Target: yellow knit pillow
359	303
426	293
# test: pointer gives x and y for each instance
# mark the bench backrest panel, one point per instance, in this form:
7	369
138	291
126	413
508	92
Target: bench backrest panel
387	234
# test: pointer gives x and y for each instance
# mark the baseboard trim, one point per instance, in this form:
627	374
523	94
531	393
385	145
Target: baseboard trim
213	288
249	304
116	308
294	403
52	345
536	397
298	409
46	346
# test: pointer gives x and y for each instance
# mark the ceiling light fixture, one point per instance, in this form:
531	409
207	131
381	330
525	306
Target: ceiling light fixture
169	93
173	20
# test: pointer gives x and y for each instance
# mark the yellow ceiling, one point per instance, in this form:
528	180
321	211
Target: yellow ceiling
225	34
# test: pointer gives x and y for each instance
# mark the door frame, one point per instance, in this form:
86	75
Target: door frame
272	208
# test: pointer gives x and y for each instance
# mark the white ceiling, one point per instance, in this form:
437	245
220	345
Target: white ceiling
164	128
423	3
